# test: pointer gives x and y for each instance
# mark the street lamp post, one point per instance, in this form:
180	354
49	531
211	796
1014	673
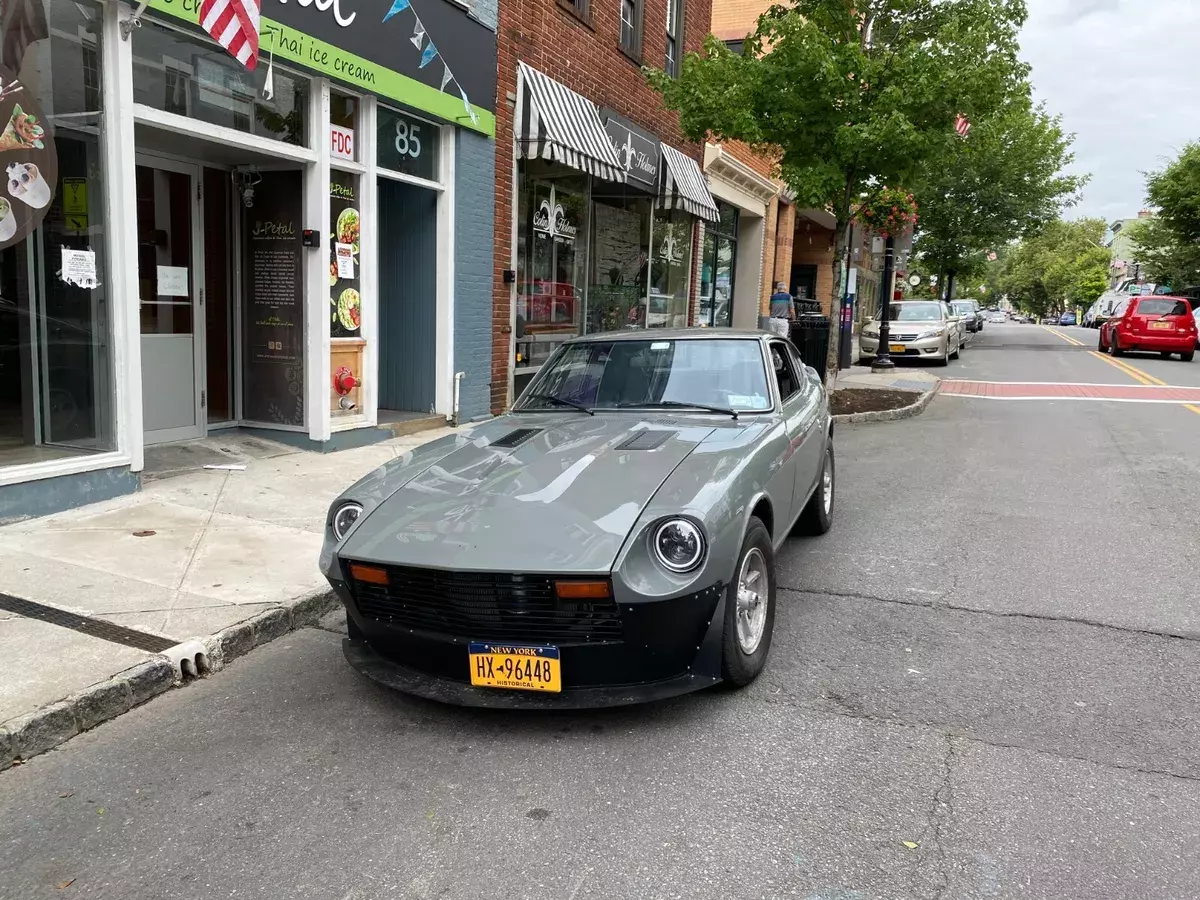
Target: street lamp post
883	361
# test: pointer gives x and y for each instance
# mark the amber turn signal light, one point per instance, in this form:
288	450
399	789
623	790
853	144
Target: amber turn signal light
369	574
582	590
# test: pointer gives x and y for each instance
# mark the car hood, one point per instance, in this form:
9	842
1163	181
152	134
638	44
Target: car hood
560	499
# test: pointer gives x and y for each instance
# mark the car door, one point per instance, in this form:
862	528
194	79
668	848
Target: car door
811	455
954	326
798	401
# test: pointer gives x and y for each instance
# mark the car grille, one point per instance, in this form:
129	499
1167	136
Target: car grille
902	337
484	606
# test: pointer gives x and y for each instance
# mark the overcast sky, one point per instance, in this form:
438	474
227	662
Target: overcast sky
1125	75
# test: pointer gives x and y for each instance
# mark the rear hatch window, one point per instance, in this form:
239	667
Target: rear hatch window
1164	308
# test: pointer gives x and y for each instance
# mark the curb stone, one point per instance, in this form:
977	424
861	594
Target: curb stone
44	729
889	415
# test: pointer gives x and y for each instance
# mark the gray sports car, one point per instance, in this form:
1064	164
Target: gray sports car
611	540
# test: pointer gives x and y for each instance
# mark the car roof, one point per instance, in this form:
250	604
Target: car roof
676	334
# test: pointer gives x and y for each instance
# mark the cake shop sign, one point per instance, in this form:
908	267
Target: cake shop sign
28	159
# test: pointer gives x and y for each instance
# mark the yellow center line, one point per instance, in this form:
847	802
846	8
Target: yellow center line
1138	375
1065	337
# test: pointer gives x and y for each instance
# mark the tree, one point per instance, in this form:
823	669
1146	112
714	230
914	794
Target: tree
1061	267
1175	191
1006	181
852	95
1163	256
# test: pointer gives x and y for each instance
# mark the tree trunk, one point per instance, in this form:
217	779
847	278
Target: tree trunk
950	285
835	305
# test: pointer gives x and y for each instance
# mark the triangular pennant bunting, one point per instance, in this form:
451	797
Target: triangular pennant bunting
418	37
446	76
429	55
467	106
398	6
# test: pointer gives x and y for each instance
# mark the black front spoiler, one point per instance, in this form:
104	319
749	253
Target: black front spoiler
393	675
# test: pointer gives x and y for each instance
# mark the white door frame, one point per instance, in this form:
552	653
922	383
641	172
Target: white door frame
199	371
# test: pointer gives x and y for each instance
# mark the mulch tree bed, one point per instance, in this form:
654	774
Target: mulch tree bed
856	400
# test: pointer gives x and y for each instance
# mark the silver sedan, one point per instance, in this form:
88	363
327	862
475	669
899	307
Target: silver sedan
918	329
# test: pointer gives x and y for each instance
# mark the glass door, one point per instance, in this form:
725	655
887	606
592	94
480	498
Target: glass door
170	291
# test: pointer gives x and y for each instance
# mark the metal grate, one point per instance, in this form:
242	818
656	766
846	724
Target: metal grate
485	606
646	440
97	628
516	438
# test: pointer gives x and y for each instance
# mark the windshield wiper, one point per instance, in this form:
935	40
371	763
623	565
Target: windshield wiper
678	404
561	401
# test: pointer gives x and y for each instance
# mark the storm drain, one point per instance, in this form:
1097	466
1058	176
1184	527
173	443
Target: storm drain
97	628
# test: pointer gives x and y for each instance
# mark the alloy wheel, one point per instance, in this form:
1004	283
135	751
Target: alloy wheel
753	595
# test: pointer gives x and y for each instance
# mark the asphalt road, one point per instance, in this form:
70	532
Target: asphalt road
983	685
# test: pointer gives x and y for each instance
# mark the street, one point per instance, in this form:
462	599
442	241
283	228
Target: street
983	684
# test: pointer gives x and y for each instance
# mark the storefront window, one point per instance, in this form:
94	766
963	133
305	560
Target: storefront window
552	245
345	313
343	126
670	270
407	144
620	267
56	395
717	269
177	73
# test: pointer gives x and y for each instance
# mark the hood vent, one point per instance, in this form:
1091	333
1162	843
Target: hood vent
646	440
516	438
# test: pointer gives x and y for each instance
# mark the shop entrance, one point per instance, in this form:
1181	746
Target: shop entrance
170	289
193	229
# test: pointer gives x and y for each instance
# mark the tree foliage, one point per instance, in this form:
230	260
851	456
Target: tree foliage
1005	182
1168	246
852	95
1061	267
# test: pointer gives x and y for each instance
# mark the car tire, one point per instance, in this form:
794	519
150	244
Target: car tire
739	667
817	517
1189	356
1113	349
957	352
1100	342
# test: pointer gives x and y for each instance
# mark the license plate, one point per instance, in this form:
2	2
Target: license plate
896	348
1160	324
516	667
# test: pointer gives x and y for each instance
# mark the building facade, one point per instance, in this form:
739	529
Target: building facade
302	251
599	200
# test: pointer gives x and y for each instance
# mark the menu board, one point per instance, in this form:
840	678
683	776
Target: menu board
273	311
345	312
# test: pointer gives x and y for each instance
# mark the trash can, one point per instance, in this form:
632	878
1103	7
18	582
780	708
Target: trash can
810	333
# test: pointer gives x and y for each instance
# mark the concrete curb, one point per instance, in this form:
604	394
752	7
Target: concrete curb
890	415
44	729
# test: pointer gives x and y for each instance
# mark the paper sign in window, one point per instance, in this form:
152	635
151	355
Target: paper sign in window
345	260
173	281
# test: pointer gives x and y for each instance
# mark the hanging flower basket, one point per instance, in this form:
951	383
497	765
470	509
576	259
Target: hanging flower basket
888	213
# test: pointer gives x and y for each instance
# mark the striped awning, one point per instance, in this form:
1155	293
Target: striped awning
681	185
555	123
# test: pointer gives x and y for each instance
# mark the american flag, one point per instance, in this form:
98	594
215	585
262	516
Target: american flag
962	126
23	23
234	25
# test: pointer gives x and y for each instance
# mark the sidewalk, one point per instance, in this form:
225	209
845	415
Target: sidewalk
186	557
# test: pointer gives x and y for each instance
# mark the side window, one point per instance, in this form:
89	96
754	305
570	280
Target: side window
785	373
798	366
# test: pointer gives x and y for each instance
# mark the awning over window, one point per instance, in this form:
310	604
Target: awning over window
555	123
681	186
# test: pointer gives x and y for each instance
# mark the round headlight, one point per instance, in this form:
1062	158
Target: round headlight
679	545
347	514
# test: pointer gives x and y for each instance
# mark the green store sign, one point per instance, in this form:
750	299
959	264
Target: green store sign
346	39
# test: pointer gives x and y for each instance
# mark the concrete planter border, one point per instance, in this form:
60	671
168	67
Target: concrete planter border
890	415
44	729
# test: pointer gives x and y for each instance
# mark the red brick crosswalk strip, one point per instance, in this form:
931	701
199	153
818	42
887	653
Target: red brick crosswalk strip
1047	390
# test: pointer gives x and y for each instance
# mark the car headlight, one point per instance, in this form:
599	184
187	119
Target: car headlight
937	332
679	545
345	516
870	333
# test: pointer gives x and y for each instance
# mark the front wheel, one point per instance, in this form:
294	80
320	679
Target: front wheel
749	609
1100	342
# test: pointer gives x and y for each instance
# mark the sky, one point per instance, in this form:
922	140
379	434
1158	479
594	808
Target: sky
1125	76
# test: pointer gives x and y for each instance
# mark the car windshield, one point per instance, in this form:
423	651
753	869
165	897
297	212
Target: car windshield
964	308
1161	308
915	312
720	373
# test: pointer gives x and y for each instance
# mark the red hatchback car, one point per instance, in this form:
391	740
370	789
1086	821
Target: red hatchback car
1161	325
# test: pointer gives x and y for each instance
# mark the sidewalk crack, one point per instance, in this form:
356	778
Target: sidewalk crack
177	591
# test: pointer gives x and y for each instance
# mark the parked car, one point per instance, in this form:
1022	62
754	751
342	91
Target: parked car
1067	318
611	540
1103	308
1152	323
969	310
996	318
918	329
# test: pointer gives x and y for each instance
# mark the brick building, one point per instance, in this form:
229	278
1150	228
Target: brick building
600	202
